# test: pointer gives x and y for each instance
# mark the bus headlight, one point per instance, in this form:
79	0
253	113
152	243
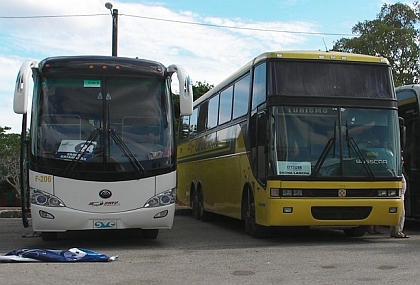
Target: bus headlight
276	192
162	199
291	193
388	193
42	198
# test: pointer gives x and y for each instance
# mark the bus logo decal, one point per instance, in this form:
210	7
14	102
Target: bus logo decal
342	193
105	193
102	203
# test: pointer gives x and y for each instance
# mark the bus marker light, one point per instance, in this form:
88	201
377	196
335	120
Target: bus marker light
287	210
161	214
392	210
46	215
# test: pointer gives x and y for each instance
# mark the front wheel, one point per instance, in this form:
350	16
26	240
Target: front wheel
251	227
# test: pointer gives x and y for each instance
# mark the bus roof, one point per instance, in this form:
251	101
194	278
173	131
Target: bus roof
101	64
323	55
305	55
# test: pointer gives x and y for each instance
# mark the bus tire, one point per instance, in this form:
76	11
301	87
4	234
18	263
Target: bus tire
195	206
356	231
204	215
251	227
48	236
150	234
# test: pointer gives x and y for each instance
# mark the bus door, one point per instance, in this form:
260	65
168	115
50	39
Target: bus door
412	168
24	183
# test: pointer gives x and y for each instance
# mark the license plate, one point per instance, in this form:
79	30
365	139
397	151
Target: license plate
105	224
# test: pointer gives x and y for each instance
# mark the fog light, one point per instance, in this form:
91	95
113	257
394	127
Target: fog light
46	215
161	214
393	210
287	210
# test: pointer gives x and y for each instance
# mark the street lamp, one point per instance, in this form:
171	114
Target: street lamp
114	14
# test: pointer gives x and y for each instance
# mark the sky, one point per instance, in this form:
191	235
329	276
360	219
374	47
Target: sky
210	39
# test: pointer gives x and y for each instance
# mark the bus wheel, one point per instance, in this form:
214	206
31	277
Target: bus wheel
204	215
195	206
356	231
48	236
251	227
150	234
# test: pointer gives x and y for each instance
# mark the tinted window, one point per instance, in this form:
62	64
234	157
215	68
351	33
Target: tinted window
241	97
225	111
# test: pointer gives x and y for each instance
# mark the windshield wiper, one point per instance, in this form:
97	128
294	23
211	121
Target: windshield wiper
92	137
330	144
352	144
136	164
323	156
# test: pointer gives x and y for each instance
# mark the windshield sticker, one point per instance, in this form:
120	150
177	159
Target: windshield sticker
91	83
294	167
69	149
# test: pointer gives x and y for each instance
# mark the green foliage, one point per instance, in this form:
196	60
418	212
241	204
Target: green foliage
393	35
9	159
199	89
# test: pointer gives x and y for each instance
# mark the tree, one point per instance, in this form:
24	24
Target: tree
9	159
392	35
199	89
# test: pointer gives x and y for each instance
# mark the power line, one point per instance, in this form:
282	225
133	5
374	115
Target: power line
51	16
240	28
183	22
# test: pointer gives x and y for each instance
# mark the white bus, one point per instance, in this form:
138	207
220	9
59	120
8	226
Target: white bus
100	153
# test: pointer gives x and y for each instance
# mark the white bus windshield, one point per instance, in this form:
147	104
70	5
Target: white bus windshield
334	142
104	126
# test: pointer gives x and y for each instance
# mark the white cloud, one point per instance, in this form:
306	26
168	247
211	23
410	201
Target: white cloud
209	53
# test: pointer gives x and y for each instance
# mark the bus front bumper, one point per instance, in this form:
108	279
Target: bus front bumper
61	219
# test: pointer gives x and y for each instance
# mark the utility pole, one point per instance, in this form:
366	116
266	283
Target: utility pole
114	14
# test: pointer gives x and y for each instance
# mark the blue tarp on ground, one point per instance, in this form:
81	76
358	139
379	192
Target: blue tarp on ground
54	255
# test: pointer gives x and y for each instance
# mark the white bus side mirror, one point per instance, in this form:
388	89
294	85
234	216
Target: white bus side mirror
185	89
22	87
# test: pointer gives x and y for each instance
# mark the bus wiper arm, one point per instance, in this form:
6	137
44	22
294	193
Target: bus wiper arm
136	164
92	137
352	144
330	144
323	156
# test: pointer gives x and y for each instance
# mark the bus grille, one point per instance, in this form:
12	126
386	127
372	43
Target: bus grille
334	193
340	213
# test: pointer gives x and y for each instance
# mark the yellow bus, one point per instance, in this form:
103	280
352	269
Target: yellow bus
296	138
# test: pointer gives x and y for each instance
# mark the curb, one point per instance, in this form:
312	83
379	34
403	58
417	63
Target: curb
10	213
